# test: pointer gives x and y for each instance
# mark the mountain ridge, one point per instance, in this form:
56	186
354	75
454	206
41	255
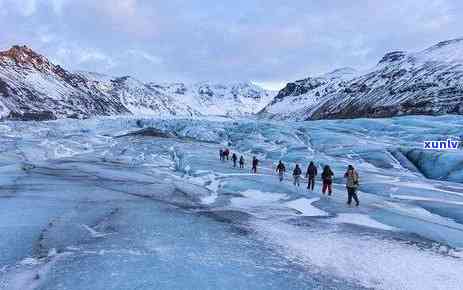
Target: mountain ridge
33	88
428	82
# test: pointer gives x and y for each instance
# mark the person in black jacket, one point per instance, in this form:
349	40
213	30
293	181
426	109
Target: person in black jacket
255	162
297	175
241	161
281	170
234	159
310	175
327	177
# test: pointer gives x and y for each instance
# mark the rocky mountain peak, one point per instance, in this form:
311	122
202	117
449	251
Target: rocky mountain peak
24	56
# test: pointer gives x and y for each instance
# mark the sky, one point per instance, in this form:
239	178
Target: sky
268	42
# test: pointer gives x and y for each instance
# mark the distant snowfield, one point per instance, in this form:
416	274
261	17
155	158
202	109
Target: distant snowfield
85	207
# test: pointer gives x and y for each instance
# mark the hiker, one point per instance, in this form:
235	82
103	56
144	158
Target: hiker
310	175
352	183
281	170
327	177
234	159
241	161
221	154
255	162
297	175
226	153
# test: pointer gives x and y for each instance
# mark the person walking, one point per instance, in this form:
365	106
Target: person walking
221	154
297	175
234	159
226	153
255	163
310	175
281	170
352	183
327	177
241	161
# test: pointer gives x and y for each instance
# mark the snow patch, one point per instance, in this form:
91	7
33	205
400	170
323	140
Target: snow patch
361	220
252	198
305	207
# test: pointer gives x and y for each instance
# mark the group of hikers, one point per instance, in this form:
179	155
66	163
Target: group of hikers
351	175
225	155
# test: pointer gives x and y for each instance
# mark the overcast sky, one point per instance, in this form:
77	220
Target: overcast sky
266	41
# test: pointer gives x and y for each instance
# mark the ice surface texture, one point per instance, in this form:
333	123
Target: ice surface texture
130	203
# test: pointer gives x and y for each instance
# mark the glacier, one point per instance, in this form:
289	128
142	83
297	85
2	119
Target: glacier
145	203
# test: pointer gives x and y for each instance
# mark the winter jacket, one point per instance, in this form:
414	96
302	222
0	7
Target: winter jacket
352	178
297	171
311	171
255	162
327	176
281	168
234	157
241	160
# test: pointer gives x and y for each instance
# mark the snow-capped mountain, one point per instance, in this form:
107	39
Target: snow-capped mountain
31	87
429	82
297	97
204	98
219	99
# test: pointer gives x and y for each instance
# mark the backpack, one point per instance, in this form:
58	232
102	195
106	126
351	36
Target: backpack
327	175
352	179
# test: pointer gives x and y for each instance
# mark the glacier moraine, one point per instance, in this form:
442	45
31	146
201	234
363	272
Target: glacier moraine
143	203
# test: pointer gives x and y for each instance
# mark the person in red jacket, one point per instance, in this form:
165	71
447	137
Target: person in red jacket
327	177
226	153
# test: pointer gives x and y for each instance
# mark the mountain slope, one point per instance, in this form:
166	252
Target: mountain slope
429	82
32	88
299	96
235	99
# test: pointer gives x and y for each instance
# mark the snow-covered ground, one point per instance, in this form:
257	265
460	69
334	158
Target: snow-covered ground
100	204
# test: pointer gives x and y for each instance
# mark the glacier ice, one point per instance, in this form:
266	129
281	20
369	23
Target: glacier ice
98	204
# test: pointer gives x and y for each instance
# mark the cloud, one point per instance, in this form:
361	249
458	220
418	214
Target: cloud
145	55
127	16
267	41
24	7
58	5
28	8
82	57
94	56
